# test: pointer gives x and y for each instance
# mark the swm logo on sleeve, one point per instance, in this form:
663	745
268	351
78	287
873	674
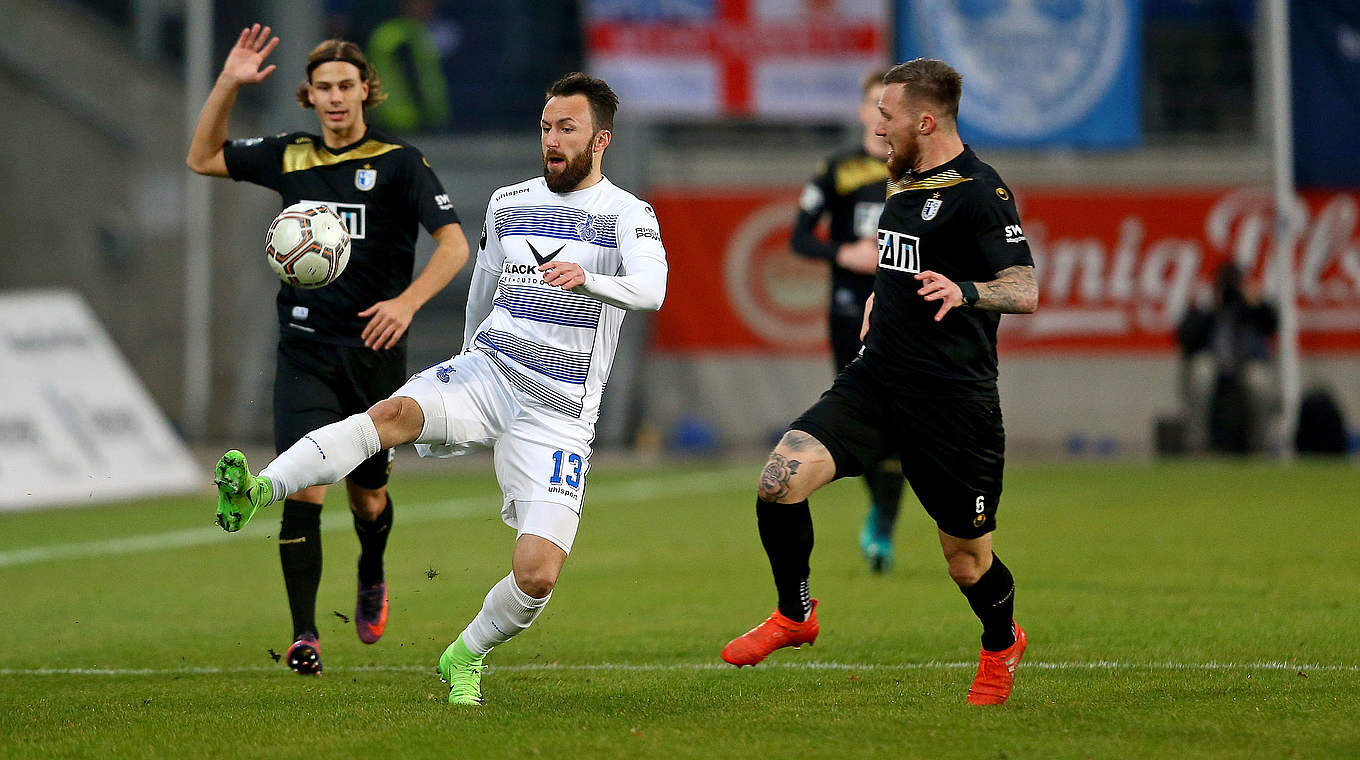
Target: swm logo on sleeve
899	252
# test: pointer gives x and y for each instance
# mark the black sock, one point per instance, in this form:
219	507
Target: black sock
300	554
993	601
885	489
786	534
372	544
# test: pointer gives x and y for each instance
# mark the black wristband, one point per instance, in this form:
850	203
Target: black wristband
970	294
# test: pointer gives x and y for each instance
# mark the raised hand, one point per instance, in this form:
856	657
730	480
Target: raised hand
252	47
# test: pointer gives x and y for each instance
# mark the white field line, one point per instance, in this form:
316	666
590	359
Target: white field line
1107	665
420	512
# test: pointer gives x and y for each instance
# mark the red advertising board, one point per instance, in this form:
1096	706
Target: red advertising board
1117	268
747	58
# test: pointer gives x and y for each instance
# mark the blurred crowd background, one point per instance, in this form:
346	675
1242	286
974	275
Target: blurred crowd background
1138	136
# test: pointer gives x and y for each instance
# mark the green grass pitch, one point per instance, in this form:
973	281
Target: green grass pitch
1197	609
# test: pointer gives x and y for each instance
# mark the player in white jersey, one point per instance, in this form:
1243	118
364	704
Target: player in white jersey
562	257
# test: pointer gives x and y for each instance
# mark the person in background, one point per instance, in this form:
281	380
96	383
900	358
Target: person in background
404	48
1228	377
848	190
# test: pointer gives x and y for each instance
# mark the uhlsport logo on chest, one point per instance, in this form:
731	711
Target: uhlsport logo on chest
899	252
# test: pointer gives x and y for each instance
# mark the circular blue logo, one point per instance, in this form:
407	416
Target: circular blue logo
1030	67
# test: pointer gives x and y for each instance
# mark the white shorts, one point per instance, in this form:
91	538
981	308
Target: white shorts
541	457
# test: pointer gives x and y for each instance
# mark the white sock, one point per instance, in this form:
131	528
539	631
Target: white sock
505	613
323	456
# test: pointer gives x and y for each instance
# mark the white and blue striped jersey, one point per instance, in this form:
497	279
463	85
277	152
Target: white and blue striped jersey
555	345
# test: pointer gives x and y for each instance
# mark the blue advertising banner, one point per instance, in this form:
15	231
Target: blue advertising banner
1035	72
1324	43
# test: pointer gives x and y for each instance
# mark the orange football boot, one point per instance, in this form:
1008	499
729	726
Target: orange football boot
776	632
370	612
996	672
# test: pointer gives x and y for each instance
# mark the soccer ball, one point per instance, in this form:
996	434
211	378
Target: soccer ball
307	245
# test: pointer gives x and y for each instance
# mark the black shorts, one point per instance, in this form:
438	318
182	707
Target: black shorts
318	383
953	450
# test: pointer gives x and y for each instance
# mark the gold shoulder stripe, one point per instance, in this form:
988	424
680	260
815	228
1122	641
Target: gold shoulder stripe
307	155
935	183
854	174
943	179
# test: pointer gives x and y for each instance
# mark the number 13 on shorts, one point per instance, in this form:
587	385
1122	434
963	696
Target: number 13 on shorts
572	475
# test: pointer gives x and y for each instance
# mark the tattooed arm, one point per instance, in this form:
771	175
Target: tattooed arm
1014	291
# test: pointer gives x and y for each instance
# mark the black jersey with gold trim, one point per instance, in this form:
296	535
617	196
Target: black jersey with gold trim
382	188
960	220
848	189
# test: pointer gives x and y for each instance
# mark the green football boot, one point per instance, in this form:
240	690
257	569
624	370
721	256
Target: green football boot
462	671
239	493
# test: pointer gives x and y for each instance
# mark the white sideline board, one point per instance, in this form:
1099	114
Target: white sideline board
76	425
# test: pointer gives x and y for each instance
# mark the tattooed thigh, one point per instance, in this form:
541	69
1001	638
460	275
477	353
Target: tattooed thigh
799	465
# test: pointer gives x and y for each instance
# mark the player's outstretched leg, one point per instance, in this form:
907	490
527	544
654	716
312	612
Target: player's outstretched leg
777	632
239	494
996	672
462	671
304	656
323	456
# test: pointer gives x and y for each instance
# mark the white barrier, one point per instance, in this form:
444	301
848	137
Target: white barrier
76	425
